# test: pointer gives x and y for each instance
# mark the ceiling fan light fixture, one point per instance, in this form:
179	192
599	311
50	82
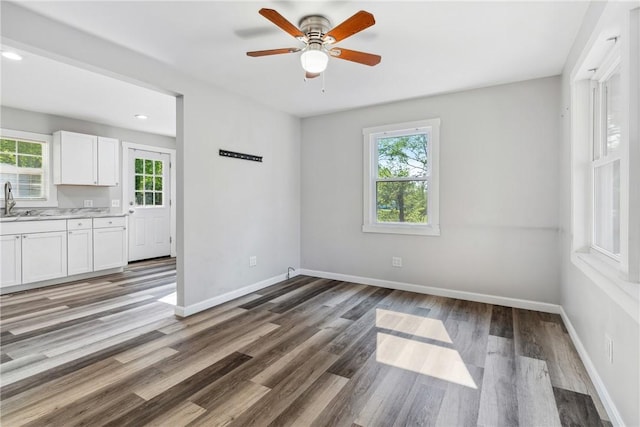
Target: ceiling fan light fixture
314	59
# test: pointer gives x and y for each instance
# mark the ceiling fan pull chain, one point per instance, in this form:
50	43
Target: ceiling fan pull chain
323	81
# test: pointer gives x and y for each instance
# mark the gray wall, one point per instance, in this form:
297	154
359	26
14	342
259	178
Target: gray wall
592	310
73	196
498	194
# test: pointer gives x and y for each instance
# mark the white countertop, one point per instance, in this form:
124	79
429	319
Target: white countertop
62	214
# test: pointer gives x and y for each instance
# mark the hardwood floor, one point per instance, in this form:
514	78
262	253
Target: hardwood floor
305	352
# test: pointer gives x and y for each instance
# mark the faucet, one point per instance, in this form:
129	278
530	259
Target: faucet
9	203
289	270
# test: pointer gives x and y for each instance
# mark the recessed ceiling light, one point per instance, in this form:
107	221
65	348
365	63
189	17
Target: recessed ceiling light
141	117
12	55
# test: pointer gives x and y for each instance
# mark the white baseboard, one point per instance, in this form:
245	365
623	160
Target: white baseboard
614	414
450	293
220	299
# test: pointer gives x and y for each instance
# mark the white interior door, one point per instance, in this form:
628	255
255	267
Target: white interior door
149	204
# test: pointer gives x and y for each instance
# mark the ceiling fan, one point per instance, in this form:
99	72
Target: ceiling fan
316	33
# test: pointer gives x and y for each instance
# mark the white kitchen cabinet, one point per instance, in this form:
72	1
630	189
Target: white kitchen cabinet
44	256
108	161
109	243
79	246
80	159
11	260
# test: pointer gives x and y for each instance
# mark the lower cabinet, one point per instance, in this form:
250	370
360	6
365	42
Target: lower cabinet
35	251
44	256
11	260
80	250
109	243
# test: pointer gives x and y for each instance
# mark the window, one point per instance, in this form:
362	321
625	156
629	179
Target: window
149	182
401	178
605	168
605	156
24	161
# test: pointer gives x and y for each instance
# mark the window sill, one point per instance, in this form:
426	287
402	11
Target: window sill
418	230
606	275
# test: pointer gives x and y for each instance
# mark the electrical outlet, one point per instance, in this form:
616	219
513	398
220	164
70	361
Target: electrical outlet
608	342
396	261
115	203
253	261
88	203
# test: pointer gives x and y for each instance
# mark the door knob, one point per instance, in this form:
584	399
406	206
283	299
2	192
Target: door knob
132	210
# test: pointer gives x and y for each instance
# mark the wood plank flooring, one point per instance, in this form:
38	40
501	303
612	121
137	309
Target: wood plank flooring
305	352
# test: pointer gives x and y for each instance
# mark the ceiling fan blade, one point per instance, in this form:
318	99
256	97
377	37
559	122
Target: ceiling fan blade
256	53
355	24
309	75
356	56
281	22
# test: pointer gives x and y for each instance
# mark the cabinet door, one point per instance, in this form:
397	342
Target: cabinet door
44	256
80	251
108	161
10	260
78	159
109	248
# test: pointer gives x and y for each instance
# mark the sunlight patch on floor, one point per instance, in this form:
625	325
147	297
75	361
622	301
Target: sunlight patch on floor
423	358
414	325
172	298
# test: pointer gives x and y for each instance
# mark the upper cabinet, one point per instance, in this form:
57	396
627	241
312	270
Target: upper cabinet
80	159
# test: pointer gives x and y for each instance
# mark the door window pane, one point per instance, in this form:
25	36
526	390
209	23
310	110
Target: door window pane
148	167
139	165
139	198
149	185
607	207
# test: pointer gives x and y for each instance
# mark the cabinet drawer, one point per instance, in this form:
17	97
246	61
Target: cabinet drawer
33	227
78	224
112	221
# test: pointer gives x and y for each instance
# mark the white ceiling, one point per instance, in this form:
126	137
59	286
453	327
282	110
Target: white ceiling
426	47
46	86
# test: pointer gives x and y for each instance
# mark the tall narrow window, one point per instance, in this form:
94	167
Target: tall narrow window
401	182
607	112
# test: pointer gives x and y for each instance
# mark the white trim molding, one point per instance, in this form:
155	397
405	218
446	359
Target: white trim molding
610	407
442	292
182	311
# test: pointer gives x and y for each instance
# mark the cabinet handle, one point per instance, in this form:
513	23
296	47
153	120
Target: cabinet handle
24	236
110	222
79	223
70	232
17	237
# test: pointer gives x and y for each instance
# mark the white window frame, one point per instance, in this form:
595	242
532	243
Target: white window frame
370	171
598	132
50	198
617	278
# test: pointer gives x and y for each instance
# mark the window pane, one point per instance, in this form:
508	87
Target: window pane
158	199
404	201
29	148
8	159
7	146
158	183
29	186
139	182
614	112
139	166
158	167
148	183
403	156
148	167
139	198
29	162
607	207
148	198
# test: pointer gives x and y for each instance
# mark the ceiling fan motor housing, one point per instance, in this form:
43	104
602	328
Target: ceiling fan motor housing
315	27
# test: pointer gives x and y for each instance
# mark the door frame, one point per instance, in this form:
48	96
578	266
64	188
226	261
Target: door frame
172	177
